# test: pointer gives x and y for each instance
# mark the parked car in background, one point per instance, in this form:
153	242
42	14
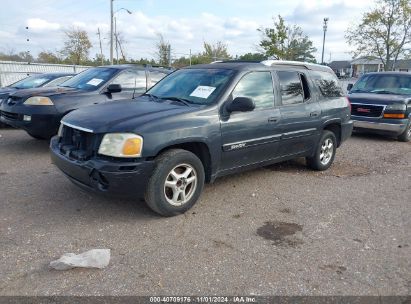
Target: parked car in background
381	102
200	123
35	81
39	111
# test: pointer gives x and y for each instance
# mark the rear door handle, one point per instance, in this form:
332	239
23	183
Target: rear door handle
314	114
273	119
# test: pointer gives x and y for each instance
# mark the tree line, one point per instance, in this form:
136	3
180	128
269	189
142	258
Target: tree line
384	32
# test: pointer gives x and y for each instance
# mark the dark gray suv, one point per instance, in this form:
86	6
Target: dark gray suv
200	123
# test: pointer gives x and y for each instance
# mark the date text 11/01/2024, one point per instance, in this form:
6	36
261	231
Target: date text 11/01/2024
203	299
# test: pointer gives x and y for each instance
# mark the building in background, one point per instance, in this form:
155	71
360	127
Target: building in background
341	68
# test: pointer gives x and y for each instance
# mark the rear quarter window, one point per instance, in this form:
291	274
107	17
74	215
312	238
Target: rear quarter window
327	83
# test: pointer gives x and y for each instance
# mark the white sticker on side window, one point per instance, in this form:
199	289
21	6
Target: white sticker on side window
202	91
95	82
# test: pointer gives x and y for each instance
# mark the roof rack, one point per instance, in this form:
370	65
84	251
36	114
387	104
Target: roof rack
307	65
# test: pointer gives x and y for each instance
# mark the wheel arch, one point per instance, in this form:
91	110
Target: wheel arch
198	148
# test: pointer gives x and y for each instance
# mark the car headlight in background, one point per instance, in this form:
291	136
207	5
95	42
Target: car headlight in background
38	101
396	107
121	145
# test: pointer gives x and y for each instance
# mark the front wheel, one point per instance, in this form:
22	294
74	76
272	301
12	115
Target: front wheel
406	135
176	183
324	153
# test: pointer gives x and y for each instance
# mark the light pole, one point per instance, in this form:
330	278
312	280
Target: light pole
325	30
111	31
112	13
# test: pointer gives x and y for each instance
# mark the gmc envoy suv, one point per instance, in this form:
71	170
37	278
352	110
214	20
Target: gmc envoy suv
200	123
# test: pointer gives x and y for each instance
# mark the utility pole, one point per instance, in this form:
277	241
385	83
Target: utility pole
169	55
325	30
111	31
115	36
101	48
190	57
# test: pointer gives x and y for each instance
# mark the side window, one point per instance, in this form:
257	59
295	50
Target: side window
132	79
257	86
57	81
328	84
156	76
291	88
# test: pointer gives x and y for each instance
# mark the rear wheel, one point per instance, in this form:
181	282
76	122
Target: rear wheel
406	135
176	183
324	153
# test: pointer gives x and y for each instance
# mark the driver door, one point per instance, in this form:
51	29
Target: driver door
251	137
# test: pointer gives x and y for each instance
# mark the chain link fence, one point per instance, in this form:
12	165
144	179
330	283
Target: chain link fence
12	71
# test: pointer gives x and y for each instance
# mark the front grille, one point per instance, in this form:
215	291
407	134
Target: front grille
78	144
366	110
11	116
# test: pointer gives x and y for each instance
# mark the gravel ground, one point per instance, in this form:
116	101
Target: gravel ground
279	230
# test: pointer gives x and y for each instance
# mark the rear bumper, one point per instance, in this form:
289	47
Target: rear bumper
346	130
395	128
117	179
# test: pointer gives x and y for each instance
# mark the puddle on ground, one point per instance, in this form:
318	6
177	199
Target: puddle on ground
285	234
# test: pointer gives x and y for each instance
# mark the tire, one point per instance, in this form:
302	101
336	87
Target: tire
324	152
170	182
406	135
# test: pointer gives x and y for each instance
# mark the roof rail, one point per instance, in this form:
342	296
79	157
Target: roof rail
307	65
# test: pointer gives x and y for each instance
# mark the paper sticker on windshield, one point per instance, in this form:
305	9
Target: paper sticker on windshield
202	91
95	82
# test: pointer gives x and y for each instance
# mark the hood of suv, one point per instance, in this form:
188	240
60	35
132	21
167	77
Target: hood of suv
122	116
7	90
25	93
380	99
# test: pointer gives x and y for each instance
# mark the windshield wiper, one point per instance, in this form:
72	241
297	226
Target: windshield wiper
182	100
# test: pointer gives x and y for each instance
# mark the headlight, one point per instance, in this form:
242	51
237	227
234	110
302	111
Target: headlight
121	145
396	107
38	101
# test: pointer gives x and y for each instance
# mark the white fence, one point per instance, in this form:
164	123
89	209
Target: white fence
12	71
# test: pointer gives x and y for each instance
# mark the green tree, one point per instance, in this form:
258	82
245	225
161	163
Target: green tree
217	51
286	42
385	32
253	57
48	57
76	46
163	51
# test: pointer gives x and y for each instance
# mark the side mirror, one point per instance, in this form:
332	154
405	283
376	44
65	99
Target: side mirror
349	86
113	88
241	104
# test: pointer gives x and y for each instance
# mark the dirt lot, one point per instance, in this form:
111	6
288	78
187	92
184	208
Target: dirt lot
281	230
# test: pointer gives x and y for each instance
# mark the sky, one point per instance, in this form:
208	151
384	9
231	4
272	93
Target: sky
184	24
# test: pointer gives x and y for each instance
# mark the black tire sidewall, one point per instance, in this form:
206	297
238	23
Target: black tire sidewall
404	136
315	161
155	196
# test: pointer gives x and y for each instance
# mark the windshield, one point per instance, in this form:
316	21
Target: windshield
196	86
32	82
90	79
383	84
